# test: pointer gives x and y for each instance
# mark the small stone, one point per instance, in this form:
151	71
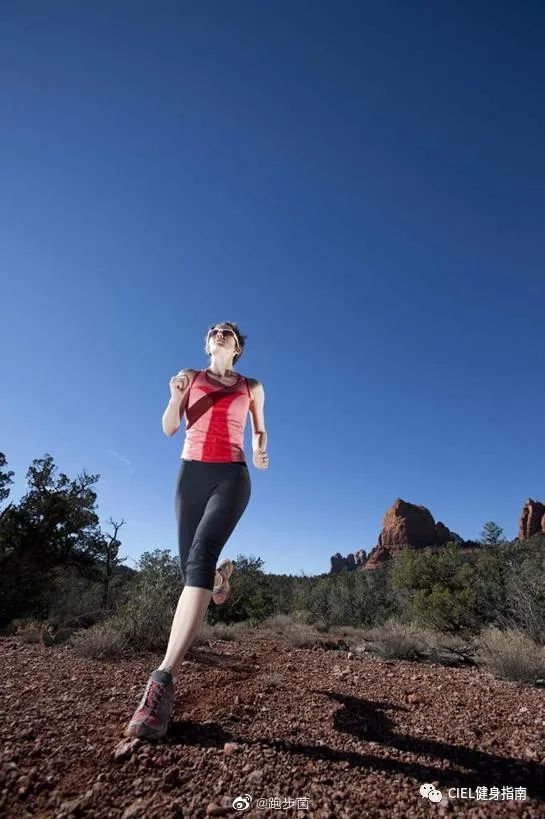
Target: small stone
213	809
125	748
135	809
171	775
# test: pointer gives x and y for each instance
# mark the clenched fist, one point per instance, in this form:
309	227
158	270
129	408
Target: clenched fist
178	385
260	459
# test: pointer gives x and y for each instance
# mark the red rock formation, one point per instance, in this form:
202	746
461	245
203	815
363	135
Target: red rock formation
350	562
407	526
411	526
532	519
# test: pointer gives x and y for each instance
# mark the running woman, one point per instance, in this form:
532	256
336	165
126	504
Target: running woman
212	491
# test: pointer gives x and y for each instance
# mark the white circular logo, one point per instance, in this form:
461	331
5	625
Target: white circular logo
242	802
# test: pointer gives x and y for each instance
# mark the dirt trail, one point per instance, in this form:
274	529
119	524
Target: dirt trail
336	734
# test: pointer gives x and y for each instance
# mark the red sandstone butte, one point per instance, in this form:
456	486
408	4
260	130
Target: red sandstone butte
532	519
407	526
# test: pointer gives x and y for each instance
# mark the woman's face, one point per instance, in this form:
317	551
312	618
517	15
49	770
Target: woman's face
222	336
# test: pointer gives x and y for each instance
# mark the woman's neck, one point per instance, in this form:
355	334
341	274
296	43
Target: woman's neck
220	368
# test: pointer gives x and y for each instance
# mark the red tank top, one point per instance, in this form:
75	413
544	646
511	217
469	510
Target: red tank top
218	433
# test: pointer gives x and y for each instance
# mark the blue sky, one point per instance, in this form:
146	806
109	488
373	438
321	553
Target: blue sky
359	185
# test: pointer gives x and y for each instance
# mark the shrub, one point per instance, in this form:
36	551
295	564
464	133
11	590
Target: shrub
442	588
146	617
301	636
103	641
345	631
26	629
272	679
223	631
511	655
278	623
395	640
302	616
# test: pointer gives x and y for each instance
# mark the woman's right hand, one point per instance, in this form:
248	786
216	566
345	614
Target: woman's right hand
178	385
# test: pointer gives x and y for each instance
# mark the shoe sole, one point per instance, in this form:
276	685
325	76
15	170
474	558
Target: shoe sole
142	731
221	597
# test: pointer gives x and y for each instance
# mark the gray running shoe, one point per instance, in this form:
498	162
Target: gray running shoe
222	589
153	713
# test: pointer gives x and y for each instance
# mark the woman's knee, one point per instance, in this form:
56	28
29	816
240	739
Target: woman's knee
201	563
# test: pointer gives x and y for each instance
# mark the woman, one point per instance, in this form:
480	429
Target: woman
212	491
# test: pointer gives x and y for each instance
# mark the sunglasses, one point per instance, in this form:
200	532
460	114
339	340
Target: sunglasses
225	331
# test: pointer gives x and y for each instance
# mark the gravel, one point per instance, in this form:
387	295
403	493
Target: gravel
302	732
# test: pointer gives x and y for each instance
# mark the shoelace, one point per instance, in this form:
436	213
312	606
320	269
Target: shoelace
154	697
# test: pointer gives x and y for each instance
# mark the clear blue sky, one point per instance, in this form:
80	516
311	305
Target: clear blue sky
361	186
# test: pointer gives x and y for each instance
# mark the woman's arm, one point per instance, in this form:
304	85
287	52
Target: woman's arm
172	416
257	416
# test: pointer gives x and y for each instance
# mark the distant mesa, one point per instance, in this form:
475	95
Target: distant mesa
404	526
532	519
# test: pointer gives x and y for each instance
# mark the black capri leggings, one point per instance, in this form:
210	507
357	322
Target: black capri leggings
210	499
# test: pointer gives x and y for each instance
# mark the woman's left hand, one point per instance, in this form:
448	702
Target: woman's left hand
260	459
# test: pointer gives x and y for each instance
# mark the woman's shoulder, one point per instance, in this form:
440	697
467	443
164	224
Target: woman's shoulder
188	371
252	382
256	389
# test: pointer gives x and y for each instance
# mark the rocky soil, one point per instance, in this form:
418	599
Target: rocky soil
301	732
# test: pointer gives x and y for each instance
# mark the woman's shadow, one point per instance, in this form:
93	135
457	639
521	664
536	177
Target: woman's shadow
369	721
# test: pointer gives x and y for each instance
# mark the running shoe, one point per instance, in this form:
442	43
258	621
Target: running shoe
222	589
150	720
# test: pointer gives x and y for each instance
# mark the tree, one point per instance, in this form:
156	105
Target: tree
54	524
441	585
5	479
111	562
491	534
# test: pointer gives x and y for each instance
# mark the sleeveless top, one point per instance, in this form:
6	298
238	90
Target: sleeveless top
217	435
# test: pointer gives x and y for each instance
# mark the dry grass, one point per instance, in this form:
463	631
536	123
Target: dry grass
346	631
272	679
511	655
395	640
279	623
26	629
103	641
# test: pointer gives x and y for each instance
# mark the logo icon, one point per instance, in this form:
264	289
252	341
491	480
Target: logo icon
428	791
243	802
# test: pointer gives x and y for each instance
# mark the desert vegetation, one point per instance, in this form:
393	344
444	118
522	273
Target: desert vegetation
62	580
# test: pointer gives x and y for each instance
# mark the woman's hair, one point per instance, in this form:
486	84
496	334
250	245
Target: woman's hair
240	338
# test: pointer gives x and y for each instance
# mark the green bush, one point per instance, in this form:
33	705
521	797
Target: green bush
251	598
146	617
441	586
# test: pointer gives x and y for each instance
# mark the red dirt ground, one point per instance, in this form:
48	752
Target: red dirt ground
354	737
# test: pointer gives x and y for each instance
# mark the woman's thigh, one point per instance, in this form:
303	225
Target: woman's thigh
192	493
228	499
224	508
210	500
